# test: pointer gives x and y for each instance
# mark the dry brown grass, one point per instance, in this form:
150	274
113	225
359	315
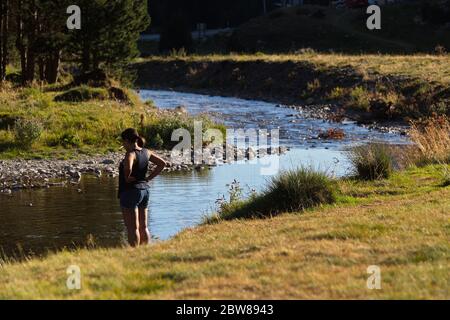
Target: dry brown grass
429	68
432	138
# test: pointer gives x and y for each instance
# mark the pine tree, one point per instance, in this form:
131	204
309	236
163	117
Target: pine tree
109	33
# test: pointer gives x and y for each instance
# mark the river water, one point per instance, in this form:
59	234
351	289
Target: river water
50	219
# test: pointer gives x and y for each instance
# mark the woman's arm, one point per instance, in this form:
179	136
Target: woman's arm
128	167
160	165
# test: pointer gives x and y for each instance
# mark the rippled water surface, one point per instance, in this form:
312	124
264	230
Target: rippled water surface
49	219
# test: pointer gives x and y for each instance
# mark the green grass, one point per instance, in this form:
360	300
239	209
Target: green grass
89	125
400	224
70	128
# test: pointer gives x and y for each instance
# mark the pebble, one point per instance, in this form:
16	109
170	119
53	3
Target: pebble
26	174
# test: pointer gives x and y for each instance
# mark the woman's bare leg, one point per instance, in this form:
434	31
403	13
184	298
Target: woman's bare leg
131	219
143	226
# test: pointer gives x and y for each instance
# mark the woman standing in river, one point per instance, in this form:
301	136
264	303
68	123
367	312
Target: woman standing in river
134	185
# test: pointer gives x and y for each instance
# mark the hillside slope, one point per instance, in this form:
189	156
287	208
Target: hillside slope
329	29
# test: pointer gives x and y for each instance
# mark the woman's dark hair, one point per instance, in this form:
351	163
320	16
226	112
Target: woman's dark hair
133	136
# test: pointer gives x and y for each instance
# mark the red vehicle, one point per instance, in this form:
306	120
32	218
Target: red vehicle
356	3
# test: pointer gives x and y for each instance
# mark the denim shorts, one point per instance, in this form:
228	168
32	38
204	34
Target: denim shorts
135	198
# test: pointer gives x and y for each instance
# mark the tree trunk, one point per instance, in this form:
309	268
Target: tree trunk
31	35
41	69
4	23
19	41
52	67
86	59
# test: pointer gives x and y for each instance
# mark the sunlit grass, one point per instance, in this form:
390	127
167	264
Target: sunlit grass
400	224
422	66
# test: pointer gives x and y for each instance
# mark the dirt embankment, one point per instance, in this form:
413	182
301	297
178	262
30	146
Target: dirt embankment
347	91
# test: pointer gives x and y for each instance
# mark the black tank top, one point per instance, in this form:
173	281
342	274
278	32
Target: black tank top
139	171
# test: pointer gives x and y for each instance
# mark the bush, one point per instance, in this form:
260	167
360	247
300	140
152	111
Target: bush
66	140
291	191
157	142
165	124
372	162
336	93
27	131
359	99
83	93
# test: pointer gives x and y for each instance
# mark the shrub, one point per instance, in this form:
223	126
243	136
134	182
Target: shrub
359	98
83	93
372	162
336	93
291	191
27	131
432	137
66	140
313	86
166	123
156	142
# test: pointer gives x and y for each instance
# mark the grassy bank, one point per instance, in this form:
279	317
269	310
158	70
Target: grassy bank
400	224
60	122
363	87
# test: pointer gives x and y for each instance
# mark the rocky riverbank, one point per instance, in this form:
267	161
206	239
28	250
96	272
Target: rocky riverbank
32	174
332	113
353	89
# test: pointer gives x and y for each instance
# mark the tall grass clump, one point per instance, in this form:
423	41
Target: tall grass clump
291	191
372	162
300	189
432	138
